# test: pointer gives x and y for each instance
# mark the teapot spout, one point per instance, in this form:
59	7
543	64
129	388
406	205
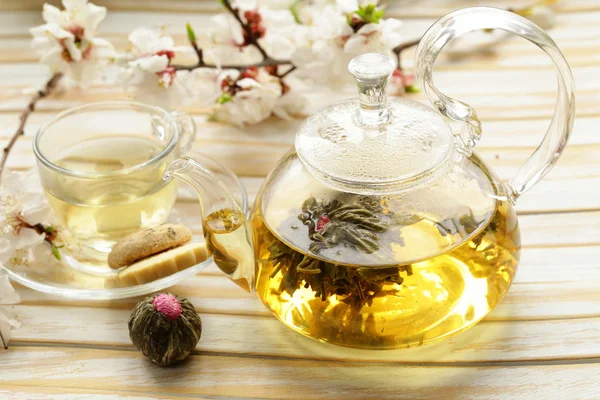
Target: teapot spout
225	227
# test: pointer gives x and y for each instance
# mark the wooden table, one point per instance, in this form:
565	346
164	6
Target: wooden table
542	342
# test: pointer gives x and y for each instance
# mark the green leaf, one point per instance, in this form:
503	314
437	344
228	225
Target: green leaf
224	98
55	251
294	9
378	15
49	229
190	33
411	89
369	13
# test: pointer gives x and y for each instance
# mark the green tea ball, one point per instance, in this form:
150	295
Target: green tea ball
165	328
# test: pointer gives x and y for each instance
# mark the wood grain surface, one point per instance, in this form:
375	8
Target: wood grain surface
541	342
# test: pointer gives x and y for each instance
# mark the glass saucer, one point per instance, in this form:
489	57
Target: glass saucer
74	279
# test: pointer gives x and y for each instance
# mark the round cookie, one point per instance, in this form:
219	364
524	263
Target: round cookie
146	243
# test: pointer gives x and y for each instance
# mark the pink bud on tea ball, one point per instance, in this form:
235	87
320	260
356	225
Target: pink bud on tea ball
168	305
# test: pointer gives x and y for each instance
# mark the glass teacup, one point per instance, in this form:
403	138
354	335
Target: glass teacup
101	166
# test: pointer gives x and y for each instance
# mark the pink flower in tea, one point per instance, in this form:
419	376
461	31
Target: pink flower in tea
322	223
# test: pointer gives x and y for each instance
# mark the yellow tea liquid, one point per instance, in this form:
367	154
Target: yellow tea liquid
101	211
229	242
391	305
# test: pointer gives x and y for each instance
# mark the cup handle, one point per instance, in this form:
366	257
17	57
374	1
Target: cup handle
187	130
476	18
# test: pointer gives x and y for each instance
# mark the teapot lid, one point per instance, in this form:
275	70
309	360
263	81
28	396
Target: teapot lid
373	145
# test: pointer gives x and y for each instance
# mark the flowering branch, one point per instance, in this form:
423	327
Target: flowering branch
249	36
46	91
318	43
252	39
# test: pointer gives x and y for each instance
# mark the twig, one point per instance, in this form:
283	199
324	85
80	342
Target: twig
287	72
48	88
264	63
401	47
250	35
198	53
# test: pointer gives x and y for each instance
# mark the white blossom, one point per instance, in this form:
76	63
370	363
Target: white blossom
224	43
24	211
336	35
283	34
247	100
149	75
348	6
19	204
67	42
375	38
291	104
275	4
23	207
321	58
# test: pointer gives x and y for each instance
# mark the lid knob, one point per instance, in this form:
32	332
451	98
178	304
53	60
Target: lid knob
372	72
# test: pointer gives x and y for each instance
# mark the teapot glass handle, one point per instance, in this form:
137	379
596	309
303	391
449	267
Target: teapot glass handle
476	18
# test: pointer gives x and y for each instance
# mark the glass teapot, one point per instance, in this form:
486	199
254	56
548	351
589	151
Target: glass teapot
381	229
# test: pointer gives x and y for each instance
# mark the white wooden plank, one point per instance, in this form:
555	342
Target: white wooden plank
552	230
438	8
256	159
572	185
70	393
501	135
551	283
241	377
266	336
